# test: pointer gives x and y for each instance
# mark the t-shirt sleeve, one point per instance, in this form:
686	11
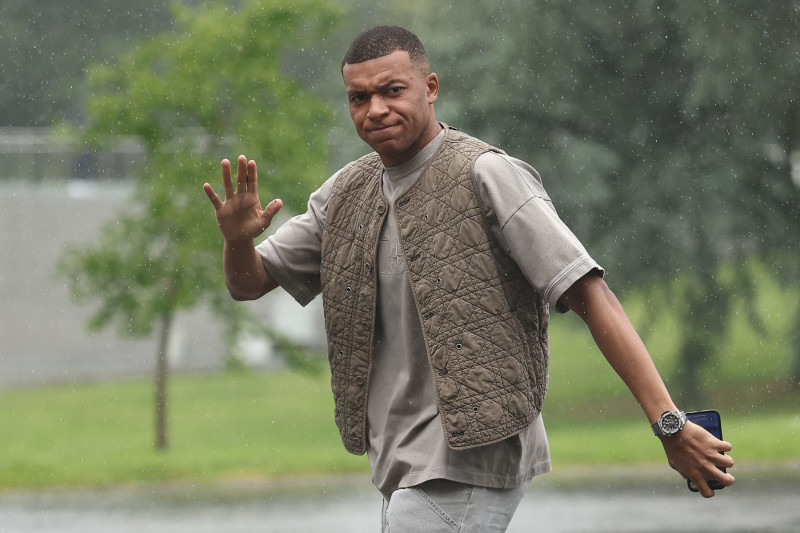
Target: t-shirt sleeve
523	220
292	255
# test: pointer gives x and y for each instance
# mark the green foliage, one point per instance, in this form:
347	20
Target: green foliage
665	133
663	129
214	83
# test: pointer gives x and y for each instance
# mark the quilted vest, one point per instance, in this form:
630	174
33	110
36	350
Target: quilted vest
484	326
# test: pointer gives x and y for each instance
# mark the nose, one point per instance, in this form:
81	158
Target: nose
377	108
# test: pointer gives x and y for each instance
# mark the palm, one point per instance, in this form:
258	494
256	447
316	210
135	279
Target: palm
241	215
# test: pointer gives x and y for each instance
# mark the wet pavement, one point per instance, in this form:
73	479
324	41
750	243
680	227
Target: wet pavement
761	501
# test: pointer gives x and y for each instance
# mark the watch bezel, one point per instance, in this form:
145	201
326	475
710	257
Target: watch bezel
669	423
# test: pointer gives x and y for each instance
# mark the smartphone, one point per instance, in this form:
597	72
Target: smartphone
710	421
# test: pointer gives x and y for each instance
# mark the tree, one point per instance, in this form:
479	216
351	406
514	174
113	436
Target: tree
47	44
665	131
213	83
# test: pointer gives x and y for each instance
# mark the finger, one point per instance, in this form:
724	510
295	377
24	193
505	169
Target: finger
270	211
726	479
705	490
725	461
272	208
700	483
714	473
215	200
227	184
252	177
241	174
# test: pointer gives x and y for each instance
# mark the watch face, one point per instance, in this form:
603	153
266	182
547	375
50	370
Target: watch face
670	423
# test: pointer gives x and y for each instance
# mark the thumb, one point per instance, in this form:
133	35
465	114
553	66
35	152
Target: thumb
272	209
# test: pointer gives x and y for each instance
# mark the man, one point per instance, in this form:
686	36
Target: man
438	257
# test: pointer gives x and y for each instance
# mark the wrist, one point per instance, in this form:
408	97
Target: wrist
669	423
244	241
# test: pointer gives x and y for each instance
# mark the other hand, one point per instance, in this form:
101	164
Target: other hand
696	454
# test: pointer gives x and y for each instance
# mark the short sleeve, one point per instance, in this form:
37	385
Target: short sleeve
522	218
292	255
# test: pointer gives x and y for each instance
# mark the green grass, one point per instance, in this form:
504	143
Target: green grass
242	426
221	426
758	438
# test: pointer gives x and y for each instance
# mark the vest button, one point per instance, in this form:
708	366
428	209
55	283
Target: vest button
381	208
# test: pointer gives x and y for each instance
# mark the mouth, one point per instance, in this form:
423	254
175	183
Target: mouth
381	129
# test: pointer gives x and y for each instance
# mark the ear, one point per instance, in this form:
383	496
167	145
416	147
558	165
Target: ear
432	81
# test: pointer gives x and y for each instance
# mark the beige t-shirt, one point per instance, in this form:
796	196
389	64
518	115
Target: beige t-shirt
406	444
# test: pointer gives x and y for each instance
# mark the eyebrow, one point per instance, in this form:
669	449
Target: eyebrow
382	86
390	83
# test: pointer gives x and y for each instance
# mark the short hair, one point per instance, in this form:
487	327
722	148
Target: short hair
381	41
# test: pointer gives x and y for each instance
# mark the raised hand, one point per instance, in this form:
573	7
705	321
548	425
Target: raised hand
240	216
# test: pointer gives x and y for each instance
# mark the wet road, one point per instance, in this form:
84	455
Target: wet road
759	502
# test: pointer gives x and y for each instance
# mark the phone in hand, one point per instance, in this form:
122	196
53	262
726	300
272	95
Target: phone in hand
710	421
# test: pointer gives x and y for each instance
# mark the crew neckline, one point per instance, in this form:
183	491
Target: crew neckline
418	161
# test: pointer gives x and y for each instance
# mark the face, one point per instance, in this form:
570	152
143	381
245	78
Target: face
391	104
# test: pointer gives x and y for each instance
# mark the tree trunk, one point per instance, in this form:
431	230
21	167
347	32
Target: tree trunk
794	377
707	312
692	360
161	377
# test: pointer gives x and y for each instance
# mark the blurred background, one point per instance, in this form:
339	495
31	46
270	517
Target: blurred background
667	134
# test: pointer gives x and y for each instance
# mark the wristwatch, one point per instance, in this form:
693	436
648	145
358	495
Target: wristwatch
669	423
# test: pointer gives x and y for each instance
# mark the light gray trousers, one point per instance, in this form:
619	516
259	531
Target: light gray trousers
446	506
